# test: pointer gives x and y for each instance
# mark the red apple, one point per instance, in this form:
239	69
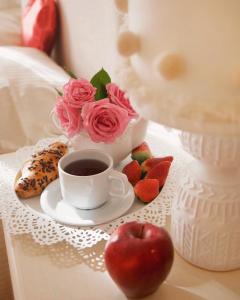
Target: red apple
139	257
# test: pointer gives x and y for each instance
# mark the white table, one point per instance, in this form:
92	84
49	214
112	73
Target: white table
58	272
40	273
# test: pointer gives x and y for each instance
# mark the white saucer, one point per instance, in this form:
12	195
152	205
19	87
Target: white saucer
52	204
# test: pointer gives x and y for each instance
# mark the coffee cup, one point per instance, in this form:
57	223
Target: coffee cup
88	180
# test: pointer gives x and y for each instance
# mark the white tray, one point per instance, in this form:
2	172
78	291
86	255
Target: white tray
26	216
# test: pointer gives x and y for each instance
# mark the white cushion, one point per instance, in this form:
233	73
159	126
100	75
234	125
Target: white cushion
10	26
28	79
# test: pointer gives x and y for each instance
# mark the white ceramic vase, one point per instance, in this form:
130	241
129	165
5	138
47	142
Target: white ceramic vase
132	137
206	211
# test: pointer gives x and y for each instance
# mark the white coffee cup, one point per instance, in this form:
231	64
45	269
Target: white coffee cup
92	191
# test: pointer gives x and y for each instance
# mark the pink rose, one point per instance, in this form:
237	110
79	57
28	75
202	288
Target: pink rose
119	98
77	92
104	121
69	118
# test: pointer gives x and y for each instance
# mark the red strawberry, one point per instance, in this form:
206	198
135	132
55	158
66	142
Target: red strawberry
133	172
141	153
147	189
150	163
160	172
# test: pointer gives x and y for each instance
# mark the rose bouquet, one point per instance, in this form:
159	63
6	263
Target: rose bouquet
99	110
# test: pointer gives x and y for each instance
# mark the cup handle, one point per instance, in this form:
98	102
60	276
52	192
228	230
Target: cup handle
122	179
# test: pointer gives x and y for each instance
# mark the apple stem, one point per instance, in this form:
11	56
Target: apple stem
141	232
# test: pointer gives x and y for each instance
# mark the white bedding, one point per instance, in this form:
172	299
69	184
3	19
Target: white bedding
27	95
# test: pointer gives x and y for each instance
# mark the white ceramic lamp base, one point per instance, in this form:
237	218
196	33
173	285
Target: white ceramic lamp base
206	211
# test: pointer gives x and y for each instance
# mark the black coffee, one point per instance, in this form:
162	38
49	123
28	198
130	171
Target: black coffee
85	167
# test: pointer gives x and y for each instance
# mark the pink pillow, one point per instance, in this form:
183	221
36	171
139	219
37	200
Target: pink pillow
39	23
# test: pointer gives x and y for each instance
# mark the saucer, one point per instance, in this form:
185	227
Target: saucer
52	204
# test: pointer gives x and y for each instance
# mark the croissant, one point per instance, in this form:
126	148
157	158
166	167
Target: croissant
39	171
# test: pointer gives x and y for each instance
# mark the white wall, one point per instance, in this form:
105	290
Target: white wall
87	36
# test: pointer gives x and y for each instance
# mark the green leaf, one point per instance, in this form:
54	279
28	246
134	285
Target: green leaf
99	81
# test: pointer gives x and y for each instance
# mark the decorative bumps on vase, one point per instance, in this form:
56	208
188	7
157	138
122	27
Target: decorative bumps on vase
97	114
206	212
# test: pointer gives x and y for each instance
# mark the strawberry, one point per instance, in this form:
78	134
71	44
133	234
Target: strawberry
141	153
150	163
159	172
147	190
133	172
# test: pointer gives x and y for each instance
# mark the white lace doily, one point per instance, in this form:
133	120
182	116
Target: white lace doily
22	219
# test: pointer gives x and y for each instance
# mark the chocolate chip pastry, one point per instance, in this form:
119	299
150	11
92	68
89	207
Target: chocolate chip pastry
38	172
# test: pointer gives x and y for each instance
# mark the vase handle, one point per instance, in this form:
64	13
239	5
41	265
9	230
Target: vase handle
55	121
